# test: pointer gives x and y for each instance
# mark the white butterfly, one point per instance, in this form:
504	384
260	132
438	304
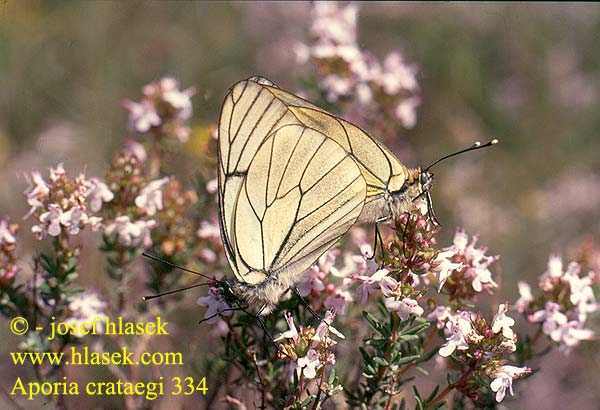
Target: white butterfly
293	179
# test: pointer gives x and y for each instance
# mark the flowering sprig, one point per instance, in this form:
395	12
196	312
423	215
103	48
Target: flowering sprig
64	205
478	348
164	109
564	300
373	90
310	352
470	274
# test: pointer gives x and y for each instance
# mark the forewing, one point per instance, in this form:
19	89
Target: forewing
249	115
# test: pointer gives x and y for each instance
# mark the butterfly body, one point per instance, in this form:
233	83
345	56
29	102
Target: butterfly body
293	179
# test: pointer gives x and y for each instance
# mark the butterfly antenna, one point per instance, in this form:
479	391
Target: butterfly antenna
475	146
173	265
145	298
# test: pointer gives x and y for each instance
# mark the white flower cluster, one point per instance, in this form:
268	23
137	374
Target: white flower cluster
462	334
163	105
335	41
318	354
563	319
472	262
64	205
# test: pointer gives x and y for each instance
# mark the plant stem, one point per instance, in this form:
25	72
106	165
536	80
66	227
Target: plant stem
448	389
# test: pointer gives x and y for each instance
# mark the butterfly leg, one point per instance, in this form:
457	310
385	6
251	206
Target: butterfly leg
305	303
404	235
219	314
430	210
379	240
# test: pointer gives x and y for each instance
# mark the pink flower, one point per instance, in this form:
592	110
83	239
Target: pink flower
179	100
445	267
216	305
397	76
406	111
325	328
309	364
332	24
135	149
553	320
312	282
129	233
379	280
150	198
209	231
339	300
73	218
404	308
212	186
6	235
460	333
142	116
503	323
87	307
572	334
97	193
475	262
503	379
52	219
525	297
292	332
440	314
36	192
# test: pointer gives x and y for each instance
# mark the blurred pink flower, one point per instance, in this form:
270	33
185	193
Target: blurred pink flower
396	75
209	230
405	307
97	193
87	307
406	111
378	280
339	300
440	315
135	149
36	192
142	116
150	198
525	297
7	235
334	24
131	234
164	107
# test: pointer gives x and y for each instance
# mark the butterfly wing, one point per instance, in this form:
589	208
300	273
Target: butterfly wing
376	162
287	192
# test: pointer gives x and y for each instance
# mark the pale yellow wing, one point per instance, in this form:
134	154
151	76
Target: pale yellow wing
376	162
301	194
287	192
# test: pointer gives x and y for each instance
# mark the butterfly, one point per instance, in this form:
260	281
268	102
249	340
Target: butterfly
292	180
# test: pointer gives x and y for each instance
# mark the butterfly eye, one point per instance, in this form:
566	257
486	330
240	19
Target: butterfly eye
424	179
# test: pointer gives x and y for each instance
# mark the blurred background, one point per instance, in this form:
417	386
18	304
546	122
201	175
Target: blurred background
528	74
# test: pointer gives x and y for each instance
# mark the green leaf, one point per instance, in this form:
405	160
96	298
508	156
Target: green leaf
407	359
381	361
433	394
